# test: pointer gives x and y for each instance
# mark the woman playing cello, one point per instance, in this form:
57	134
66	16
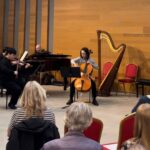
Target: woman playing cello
84	59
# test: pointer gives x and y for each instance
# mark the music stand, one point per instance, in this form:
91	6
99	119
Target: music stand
70	72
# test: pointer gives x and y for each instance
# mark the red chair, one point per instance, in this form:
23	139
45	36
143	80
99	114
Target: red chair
126	129
106	68
130	75
94	131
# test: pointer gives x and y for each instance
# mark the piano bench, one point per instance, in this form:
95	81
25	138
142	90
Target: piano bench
140	83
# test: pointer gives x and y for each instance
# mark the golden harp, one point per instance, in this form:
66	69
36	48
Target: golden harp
106	84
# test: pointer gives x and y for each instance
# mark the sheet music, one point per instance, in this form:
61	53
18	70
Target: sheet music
24	55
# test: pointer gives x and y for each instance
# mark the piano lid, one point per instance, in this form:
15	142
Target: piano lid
47	55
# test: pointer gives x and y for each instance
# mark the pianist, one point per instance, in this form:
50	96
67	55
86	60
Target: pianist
43	61
39	53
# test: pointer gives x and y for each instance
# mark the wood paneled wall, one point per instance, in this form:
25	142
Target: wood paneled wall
21	31
76	22
1	20
10	36
75	26
32	32
44	23
21	24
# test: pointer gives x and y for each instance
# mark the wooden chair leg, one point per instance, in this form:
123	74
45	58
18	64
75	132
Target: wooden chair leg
6	100
77	95
131	87
1	92
117	88
124	87
89	96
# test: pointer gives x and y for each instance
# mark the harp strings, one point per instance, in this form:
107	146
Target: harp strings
105	36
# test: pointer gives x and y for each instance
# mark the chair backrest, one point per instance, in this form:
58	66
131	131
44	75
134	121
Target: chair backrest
94	131
126	129
131	71
106	68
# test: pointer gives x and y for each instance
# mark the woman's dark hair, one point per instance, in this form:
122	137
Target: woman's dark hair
87	51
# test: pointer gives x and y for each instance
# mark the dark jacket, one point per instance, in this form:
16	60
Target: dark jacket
73	140
31	134
7	70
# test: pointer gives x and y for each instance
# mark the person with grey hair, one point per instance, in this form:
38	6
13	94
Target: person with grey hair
78	117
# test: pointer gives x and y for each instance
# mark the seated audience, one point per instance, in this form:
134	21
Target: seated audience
78	117
31	134
33	105
142	135
142	100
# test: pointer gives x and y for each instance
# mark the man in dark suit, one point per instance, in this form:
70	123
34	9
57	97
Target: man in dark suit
9	77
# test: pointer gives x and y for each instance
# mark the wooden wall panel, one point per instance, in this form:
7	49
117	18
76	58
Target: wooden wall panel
21	27
1	24
44	24
10	41
32	25
26	39
76	22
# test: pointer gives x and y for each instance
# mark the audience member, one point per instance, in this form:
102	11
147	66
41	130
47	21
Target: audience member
78	117
142	134
31	134
33	104
142	100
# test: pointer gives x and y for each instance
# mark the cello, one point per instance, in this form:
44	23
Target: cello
83	84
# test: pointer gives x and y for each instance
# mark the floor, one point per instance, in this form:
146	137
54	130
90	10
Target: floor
110	110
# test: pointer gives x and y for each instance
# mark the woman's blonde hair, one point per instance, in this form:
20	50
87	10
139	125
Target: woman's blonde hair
33	99
78	116
142	125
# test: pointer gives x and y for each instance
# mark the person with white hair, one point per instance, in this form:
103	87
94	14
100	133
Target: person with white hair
38	48
78	117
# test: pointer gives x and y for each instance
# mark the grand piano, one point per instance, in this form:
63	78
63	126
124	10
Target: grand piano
45	61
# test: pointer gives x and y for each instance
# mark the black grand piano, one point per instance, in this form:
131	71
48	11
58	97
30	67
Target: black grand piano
45	61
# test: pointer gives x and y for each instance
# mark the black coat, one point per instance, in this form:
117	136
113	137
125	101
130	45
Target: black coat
7	70
31	134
